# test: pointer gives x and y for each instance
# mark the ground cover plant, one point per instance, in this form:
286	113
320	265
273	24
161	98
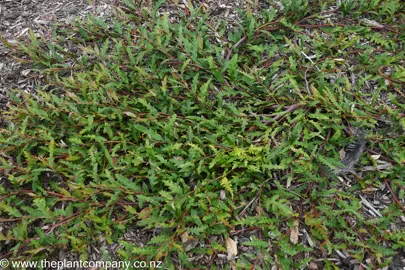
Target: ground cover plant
225	145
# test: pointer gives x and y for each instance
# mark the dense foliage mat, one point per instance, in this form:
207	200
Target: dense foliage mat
205	134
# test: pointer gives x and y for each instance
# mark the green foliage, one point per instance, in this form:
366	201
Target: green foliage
295	10
147	123
346	6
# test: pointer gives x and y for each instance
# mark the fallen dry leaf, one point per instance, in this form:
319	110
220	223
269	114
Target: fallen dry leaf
222	195
342	154
189	242
387	166
312	266
231	248
294	232
309	240
372	23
